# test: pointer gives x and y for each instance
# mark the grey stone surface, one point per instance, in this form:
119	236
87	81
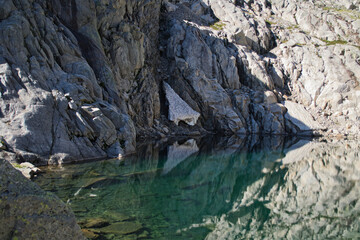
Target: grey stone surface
298	115
179	110
58	74
27	212
78	76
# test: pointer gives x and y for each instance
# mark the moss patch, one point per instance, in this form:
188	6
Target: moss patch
16	165
270	22
292	27
218	25
328	43
351	13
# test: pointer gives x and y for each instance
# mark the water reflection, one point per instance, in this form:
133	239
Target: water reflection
217	188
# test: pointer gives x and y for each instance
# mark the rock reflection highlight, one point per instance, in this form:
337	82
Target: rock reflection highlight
317	198
178	153
218	188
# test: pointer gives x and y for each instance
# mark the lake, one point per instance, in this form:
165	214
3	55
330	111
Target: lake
217	188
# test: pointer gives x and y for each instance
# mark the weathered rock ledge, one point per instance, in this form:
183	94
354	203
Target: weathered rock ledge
27	212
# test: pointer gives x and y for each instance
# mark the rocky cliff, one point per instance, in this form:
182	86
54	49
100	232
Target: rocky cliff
84	79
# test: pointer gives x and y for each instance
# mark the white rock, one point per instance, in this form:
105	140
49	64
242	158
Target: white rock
270	97
27	165
298	115
179	110
72	105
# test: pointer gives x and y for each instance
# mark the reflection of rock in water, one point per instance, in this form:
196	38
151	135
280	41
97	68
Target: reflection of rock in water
178	153
319	198
229	188
298	151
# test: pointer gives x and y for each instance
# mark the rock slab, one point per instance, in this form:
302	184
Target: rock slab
179	110
27	212
298	115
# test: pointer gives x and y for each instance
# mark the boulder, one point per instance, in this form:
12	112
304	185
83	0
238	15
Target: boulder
179	110
29	212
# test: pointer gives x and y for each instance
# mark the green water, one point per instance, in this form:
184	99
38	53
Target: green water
217	188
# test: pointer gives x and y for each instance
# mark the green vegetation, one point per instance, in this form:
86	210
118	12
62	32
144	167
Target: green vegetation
328	43
270	22
292	27
318	54
351	13
218	26
327	8
16	165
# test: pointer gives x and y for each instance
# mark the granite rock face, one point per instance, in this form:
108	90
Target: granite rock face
73	75
83	79
27	212
261	53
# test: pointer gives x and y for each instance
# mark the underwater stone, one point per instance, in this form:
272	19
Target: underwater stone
122	228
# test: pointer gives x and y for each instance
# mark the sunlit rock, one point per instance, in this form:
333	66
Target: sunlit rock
301	118
179	110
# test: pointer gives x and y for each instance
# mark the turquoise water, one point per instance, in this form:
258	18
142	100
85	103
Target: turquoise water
217	188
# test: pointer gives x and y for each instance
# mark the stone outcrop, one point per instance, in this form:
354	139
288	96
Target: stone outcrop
179	110
27	212
300	118
263	53
73	76
27	169
83	79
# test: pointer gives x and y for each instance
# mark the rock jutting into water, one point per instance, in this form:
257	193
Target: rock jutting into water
83	79
27	212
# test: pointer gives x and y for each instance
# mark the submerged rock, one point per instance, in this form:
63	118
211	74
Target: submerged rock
89	234
122	228
95	223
